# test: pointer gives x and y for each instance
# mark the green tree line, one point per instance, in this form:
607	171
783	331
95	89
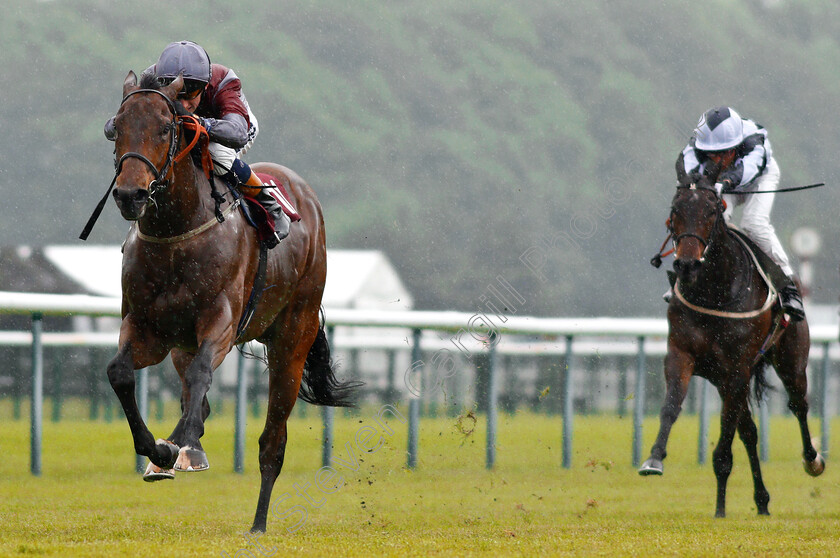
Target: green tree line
474	143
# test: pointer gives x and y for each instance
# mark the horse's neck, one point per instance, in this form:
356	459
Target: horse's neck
726	276
182	205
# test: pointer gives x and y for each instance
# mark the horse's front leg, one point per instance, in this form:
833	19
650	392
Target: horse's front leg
215	344
121	376
679	367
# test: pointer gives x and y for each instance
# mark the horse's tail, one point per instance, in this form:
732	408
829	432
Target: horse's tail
760	383
319	385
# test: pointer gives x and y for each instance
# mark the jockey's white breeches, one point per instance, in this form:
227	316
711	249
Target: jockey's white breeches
755	218
223	157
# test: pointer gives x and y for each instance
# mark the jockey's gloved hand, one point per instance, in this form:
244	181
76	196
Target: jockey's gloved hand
727	185
207	123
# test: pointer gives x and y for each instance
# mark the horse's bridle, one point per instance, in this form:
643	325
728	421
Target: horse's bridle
705	241
656	260
160	181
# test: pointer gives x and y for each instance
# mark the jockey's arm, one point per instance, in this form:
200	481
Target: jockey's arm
748	167
231	130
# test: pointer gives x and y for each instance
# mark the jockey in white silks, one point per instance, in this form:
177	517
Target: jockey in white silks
739	148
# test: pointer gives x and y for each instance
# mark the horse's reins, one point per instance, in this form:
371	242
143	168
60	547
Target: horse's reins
656	260
768	302
161	181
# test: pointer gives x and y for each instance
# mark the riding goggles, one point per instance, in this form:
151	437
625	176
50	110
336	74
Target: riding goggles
191	90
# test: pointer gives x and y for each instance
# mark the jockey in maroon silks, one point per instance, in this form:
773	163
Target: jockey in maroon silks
214	94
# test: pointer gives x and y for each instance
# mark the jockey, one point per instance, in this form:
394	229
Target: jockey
740	149
214	94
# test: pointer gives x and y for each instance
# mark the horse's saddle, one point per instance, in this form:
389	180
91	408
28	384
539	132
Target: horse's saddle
771	269
257	215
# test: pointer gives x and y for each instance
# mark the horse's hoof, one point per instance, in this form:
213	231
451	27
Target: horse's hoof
166	449
651	467
191	460
154	473
816	467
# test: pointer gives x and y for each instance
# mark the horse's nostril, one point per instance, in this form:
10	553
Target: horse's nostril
141	195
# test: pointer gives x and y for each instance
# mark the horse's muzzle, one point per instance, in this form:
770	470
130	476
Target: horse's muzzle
687	269
132	203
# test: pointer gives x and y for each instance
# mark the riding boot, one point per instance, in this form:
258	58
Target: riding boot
792	301
282	222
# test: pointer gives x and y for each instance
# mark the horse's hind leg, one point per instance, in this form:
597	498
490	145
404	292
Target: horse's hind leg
790	366
749	436
181	360
734	405
287	354
196	379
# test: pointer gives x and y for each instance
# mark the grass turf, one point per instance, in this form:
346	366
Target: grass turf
88	502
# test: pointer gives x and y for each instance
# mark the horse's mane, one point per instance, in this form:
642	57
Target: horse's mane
149	81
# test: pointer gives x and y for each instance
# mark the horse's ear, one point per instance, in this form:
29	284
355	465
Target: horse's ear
712	170
682	177
174	88
130	82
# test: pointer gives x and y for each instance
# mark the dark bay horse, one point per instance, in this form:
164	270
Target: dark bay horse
718	321
187	277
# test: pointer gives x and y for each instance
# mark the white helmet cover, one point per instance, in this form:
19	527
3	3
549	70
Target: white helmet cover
719	129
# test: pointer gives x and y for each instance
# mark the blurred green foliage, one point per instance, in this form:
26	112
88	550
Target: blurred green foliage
455	136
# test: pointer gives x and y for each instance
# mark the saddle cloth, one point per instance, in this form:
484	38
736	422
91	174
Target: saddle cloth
278	192
256	214
771	268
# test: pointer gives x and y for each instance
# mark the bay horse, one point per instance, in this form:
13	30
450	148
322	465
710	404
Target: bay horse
721	318
188	271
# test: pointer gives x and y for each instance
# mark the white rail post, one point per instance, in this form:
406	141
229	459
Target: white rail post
568	405
825	420
639	402
492	401
414	404
328	416
36	413
142	394
703	436
241	414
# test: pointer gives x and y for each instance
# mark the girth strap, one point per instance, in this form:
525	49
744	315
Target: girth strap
256	292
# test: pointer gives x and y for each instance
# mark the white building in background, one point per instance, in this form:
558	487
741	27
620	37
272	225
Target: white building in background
359	279
355	278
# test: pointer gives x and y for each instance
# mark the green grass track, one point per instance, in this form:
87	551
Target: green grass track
89	502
